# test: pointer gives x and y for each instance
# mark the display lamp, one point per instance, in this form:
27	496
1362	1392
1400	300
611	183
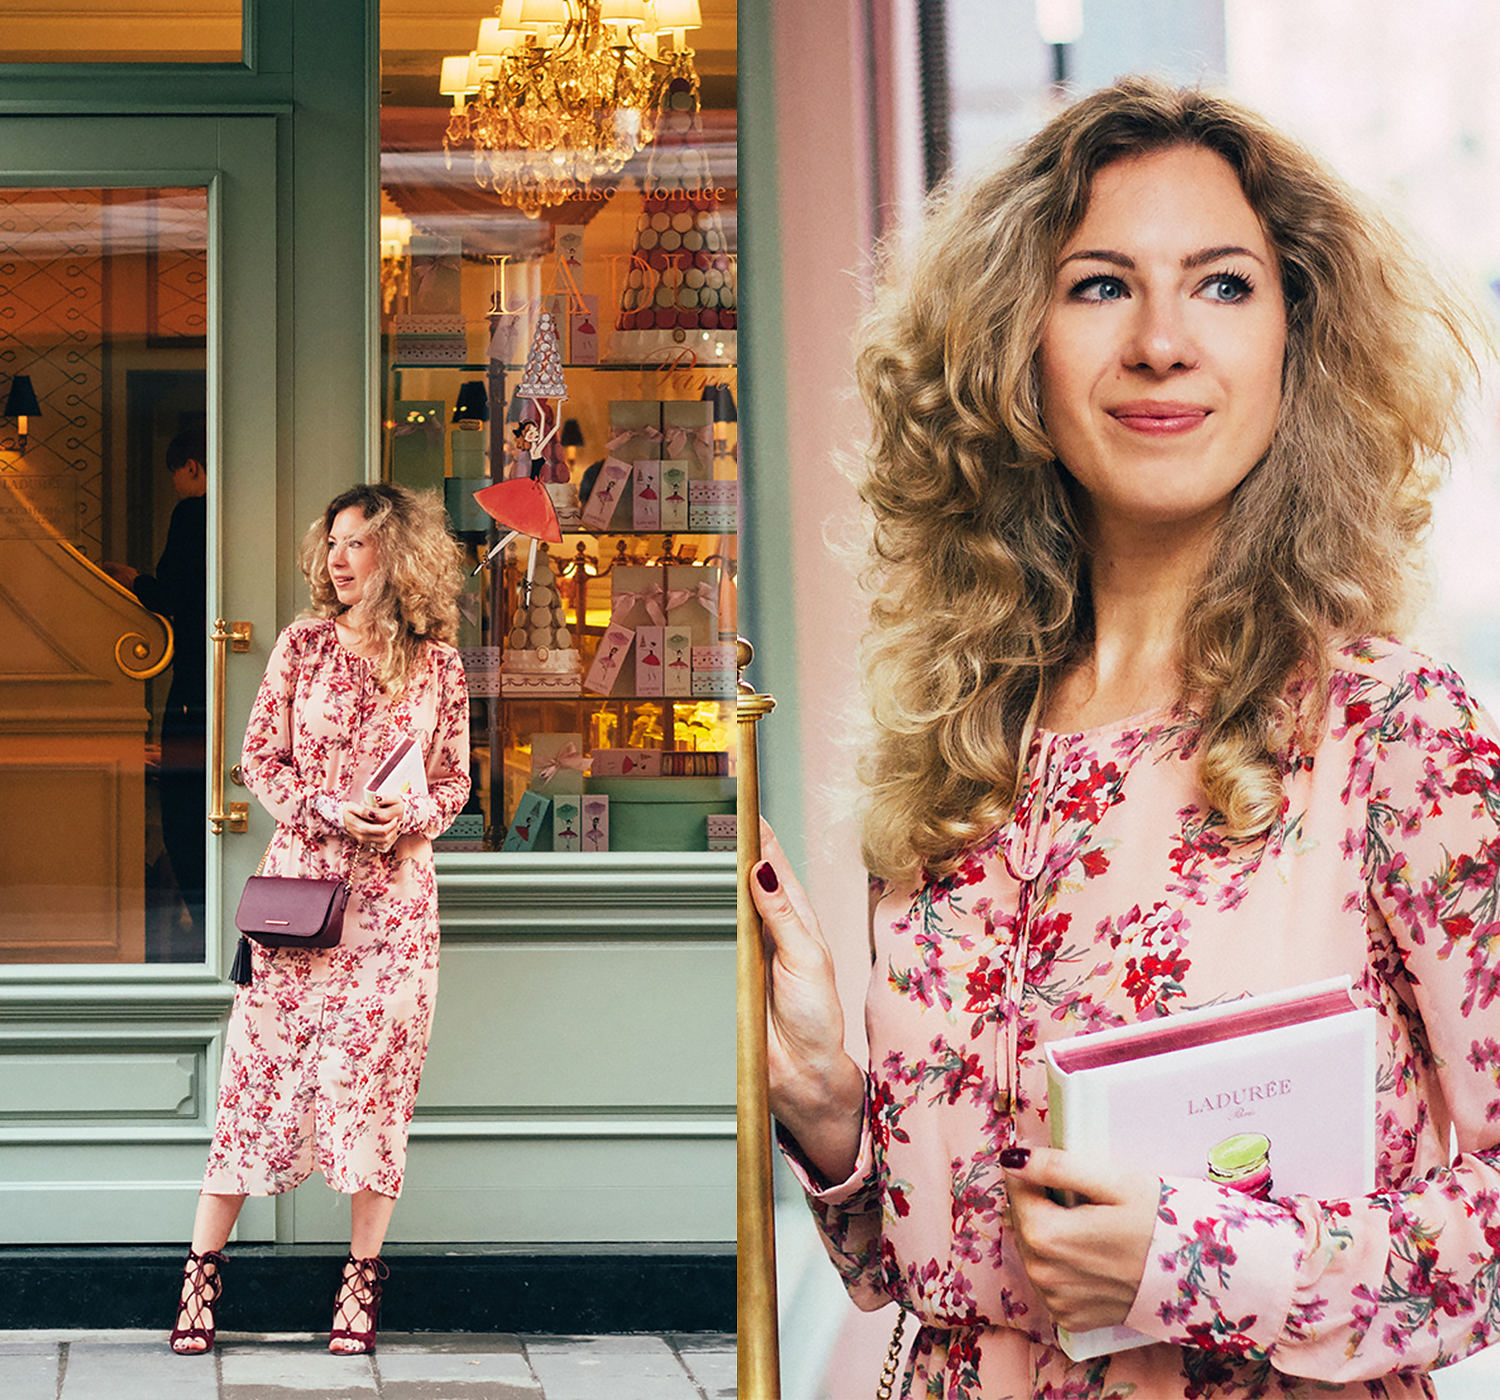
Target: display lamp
472	406
678	16
21	404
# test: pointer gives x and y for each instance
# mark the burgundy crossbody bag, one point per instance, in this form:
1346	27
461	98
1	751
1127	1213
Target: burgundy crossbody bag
287	911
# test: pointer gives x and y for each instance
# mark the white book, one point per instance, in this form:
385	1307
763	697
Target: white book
401	774
1272	1095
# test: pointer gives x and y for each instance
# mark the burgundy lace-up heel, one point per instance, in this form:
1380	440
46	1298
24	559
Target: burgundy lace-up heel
358	1293
202	1293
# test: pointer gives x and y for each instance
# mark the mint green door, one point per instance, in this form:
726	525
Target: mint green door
138	301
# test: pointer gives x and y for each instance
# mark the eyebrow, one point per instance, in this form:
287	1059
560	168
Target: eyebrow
1199	259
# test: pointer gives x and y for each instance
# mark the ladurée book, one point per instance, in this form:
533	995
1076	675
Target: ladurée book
1271	1095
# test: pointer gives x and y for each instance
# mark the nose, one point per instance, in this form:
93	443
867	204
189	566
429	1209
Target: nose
1161	339
336	554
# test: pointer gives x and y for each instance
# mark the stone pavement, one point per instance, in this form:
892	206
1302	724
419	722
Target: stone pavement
136	1365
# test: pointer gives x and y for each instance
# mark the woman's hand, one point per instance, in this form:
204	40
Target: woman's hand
817	1091
375	822
1085	1260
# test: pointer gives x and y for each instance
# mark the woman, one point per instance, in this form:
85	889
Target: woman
325	1047
1155	418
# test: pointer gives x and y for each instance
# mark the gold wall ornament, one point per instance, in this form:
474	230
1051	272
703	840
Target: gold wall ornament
563	100
139	649
759	1358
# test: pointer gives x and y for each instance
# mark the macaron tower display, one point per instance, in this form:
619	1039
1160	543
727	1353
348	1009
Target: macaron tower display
681	278
541	657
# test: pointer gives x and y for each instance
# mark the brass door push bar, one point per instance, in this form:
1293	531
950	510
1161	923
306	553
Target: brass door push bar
237	818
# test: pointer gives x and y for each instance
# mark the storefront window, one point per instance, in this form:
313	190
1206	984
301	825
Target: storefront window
103	31
102	550
559	317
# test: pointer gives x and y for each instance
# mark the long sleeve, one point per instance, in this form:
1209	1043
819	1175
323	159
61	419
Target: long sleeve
267	758
447	756
848	1215
1406	1278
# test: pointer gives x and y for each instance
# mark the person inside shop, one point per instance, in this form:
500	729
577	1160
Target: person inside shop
178	590
325	1047
1157	411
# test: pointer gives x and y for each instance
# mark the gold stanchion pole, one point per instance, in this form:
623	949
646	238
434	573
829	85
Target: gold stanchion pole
759	1353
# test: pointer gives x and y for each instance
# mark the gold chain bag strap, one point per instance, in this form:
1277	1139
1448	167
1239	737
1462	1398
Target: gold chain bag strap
288	911
892	1367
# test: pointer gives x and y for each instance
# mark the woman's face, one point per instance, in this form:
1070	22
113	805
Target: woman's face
1162	349
352	556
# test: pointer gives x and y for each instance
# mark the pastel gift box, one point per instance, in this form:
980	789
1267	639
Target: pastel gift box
417	443
638	594
466	446
625	763
714	505
721	833
674	494
610	496
466	833
595	835
583	333
481	671
688	431
677	656
693	601
713	671
650	643
567	822
467	515
662	814
557	763
526	830
638	423
646	495
614	647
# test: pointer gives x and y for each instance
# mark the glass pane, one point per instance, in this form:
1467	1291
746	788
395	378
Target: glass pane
560	306
103	580
115	32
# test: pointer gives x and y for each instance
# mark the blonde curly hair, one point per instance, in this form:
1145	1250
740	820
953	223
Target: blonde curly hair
978	567
412	597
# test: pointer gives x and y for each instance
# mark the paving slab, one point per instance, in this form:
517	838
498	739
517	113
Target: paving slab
714	1369
29	1372
99	1370
456	1390
459	1367
610	1368
293	1371
468	1343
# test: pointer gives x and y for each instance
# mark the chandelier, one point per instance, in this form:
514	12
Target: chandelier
558	93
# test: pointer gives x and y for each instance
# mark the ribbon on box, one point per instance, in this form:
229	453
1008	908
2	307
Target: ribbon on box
566	757
705	593
619	440
677	438
650	599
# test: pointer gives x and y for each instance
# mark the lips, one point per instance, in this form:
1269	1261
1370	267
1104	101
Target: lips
1159	417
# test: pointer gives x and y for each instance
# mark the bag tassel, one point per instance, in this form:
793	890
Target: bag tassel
240	973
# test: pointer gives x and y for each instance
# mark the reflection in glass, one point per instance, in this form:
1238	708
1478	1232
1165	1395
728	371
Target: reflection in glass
103	529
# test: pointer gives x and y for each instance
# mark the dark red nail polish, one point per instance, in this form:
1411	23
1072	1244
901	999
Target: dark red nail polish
1014	1158
767	877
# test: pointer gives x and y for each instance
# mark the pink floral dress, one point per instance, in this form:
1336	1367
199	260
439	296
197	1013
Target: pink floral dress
325	1046
1116	896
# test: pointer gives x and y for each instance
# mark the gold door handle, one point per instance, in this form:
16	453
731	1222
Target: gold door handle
223	636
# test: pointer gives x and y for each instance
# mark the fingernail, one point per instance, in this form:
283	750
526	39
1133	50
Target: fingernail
767	877
1014	1158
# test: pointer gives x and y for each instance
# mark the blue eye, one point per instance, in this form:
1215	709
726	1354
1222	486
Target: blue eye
1098	287
1227	287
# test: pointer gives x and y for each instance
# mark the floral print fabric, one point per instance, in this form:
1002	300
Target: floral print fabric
1114	896
325	1046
